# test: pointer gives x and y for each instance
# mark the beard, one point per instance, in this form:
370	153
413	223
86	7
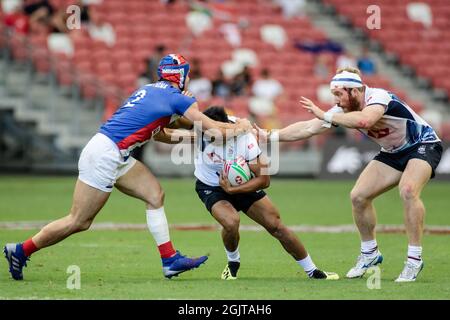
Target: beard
353	104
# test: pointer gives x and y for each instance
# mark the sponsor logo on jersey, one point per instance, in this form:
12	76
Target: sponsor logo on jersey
421	149
214	157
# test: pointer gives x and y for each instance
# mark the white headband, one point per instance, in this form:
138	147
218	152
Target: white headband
346	80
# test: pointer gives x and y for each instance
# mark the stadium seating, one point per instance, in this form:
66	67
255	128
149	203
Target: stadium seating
141	25
424	49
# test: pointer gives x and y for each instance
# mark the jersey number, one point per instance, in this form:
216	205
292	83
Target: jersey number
138	96
378	134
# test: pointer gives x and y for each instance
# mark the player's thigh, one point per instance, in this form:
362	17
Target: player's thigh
87	201
139	182
225	214
264	213
415	177
375	179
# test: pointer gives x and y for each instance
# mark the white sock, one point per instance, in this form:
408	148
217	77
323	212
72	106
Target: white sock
157	225
234	255
415	255
369	248
308	265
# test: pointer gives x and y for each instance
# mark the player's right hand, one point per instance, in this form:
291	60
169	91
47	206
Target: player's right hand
188	93
244	125
261	134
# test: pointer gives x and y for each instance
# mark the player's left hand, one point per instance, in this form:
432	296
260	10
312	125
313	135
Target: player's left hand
225	184
311	107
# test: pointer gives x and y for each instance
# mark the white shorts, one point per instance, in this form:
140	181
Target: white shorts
101	164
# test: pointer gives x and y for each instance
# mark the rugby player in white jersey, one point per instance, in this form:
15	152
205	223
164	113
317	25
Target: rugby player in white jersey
410	153
224	201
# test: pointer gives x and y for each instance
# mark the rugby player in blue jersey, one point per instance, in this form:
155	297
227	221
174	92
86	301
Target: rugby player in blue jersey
105	162
410	153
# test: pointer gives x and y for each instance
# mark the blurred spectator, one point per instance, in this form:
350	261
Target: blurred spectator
151	71
245	57
291	8
85	8
274	35
240	85
420	12
322	68
218	9
262	107
220	86
89	2
267	87
365	64
60	43
41	13
200	86
318	47
10	6
231	33
15	18
345	60
101	30
324	95
199	19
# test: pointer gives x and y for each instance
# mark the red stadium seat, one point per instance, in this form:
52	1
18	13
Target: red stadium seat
415	45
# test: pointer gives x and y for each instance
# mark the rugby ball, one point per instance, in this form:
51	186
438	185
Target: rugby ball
237	171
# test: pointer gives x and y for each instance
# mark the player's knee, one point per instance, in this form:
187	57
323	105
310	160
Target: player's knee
231	223
156	199
358	199
83	225
276	228
408	192
78	224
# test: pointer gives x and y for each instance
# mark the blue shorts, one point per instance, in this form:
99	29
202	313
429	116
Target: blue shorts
429	152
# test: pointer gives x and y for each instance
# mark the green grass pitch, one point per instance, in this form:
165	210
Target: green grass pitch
126	264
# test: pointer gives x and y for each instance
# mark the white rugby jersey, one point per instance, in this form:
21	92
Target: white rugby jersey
209	161
399	128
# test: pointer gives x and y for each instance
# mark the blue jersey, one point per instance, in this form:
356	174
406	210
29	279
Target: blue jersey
144	114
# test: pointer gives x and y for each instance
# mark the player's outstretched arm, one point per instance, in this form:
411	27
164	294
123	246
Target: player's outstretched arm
293	132
301	130
174	136
225	129
260	181
364	119
181	123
